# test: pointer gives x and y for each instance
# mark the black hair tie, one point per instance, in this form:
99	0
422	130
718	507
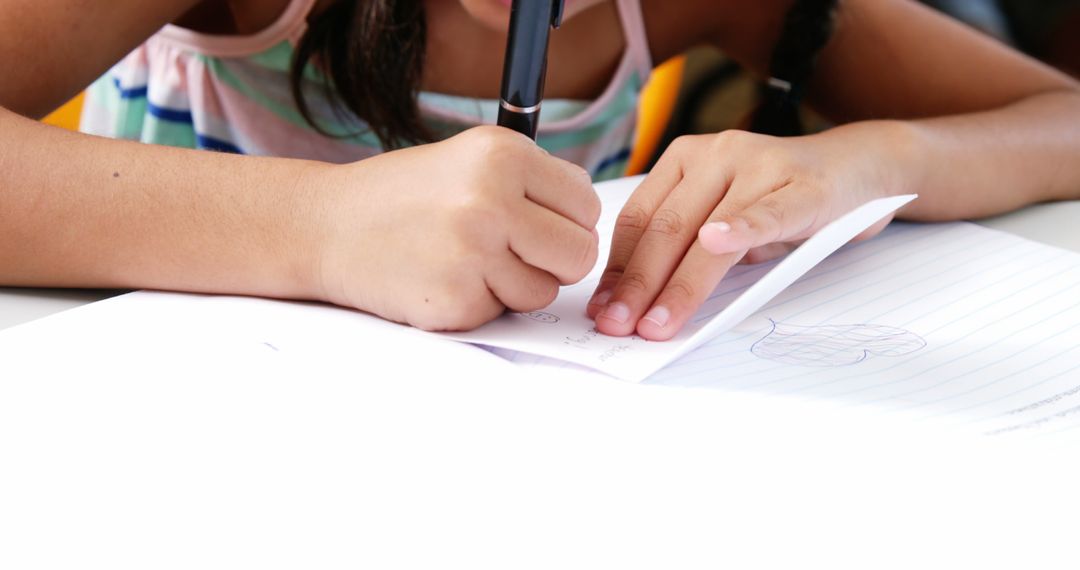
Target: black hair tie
806	30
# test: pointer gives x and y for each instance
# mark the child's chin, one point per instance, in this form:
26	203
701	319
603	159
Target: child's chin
494	14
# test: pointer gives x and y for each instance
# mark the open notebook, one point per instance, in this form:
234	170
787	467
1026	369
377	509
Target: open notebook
564	332
953	323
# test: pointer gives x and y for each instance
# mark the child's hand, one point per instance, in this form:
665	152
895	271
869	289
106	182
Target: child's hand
713	199
447	235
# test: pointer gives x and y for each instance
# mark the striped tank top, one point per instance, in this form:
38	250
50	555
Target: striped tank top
232	94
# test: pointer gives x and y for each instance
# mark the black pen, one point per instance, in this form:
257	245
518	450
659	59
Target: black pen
525	66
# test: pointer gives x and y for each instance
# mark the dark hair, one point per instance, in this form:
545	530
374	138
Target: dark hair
807	28
372	55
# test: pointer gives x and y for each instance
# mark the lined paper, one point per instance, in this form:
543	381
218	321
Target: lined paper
563	331
947	324
193	428
950	323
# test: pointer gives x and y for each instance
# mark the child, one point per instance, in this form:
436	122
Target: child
448	234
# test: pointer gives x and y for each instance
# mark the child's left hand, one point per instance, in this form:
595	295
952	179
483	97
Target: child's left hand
715	199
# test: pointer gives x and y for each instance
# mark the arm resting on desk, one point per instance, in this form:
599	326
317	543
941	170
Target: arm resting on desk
81	211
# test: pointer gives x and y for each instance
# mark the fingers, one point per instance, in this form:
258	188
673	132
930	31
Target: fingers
787	214
519	286
631	225
783	215
564	188
664	242
660	250
510	158
689	287
554	244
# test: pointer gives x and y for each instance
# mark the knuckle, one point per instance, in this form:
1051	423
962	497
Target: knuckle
680	143
773	211
622	251
667	223
593	207
581	195
490	144
731	139
538	290
585	258
486	133
770	217
576	170
546	289
681	288
633	217
611	276
684	143
634	281
771	208
480	138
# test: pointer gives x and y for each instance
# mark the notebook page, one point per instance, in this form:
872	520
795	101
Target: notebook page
949	323
942	321
563	331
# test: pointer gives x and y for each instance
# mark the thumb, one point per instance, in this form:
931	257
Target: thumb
787	214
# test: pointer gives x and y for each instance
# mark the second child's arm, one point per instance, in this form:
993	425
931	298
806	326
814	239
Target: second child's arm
934	108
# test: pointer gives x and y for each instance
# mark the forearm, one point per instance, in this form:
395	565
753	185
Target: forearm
80	211
981	164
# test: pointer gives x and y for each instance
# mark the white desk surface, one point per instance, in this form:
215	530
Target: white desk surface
1054	224
411	474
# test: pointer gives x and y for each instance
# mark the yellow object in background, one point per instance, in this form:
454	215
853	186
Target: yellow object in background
658	100
68	115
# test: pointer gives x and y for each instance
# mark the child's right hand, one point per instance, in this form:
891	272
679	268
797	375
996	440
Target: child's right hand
445	236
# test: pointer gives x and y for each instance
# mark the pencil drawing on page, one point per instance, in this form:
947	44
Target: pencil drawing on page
834	345
541	317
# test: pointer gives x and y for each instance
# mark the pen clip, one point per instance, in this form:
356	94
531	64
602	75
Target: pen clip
557	7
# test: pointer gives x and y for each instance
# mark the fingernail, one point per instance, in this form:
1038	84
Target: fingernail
658	315
601	298
617	312
722	227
